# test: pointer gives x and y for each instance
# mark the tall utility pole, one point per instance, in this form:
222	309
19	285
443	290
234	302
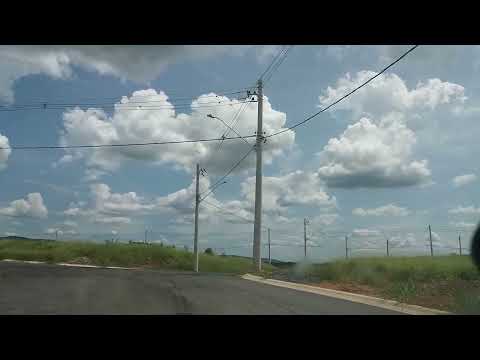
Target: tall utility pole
460	244
257	228
145	236
269	254
305	237
431	246
388	253
195	236
346	246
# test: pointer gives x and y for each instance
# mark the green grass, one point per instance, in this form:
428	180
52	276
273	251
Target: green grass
154	256
467	302
452	281
377	270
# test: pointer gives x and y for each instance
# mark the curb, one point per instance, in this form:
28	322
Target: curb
70	265
358	298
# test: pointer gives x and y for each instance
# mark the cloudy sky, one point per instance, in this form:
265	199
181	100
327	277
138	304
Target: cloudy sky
394	157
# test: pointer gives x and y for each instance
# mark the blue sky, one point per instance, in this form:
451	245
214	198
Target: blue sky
393	158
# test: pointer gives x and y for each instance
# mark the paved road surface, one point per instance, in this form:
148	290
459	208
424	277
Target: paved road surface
52	289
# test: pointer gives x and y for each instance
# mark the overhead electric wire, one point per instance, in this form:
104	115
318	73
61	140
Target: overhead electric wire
217	92
126	106
205	140
271	64
228	212
344	96
232	168
232	213
228	127
236	116
212	190
232	125
73	103
121	145
277	65
240	110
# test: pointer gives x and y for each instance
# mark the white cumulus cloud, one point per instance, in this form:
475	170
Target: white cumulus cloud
370	155
386	210
462	224
51	231
112	219
365	232
338	52
462	180
325	219
467	210
404	241
139	63
388	92
4	153
295	188
32	206
70	223
109	208
108	202
156	124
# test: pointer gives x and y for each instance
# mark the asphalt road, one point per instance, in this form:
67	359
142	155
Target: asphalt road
52	289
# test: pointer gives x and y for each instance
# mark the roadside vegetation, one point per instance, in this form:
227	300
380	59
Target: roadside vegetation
450	283
119	254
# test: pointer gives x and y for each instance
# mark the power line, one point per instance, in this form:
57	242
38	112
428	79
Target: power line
119	97
129	107
273	61
251	221
345	96
228	212
277	65
229	127
211	191
232	168
236	116
233	123
122	145
167	102
74	103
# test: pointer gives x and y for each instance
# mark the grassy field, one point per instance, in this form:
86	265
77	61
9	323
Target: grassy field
450	283
115	254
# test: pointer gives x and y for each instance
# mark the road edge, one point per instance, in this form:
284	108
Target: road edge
358	298
69	264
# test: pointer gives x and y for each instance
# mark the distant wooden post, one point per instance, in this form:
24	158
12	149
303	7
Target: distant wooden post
431	246
460	244
346	246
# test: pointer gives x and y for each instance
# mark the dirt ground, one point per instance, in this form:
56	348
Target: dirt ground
442	295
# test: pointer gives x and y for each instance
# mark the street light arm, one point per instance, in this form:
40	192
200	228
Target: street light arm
228	126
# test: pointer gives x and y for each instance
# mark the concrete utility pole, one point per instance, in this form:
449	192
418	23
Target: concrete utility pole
305	237
388	254
346	246
269	254
460	244
195	237
431	246
257	228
